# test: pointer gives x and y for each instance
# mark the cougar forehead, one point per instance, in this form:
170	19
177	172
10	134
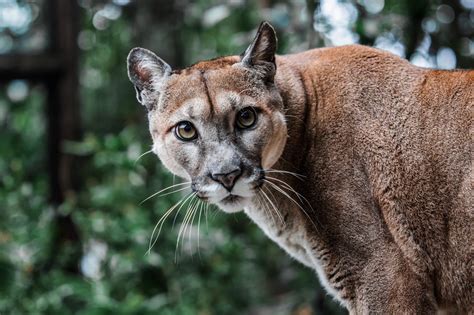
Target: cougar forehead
205	82
205	89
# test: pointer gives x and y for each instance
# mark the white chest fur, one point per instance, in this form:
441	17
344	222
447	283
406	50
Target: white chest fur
292	238
289	237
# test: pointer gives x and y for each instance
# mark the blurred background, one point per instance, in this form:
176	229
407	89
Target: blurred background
73	233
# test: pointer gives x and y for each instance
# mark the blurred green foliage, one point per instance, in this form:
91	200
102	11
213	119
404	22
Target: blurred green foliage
234	268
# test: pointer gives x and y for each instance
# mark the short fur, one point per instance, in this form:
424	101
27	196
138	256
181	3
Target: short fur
386	150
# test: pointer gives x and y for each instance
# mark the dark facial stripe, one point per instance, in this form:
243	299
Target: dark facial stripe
206	89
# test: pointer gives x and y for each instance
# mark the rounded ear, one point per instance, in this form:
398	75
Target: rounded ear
260	55
147	72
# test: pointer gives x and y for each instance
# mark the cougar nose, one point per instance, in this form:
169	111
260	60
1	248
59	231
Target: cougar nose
227	179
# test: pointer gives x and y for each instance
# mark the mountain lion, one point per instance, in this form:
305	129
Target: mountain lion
354	161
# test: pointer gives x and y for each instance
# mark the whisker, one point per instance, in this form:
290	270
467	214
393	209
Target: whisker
293	200
269	210
206	211
184	224
187	225
169	193
142	155
265	207
273	205
299	176
215	214
274	199
195	210
191	225
179	209
165	189
199	224
181	228
161	221
288	187
176	215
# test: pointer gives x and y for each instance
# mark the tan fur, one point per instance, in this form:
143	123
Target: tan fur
273	149
386	150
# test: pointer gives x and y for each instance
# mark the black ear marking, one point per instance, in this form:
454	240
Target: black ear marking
147	72
260	54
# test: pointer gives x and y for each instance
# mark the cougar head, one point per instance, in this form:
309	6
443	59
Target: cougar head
218	123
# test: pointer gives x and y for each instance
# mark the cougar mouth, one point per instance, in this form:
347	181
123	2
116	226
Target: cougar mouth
231	199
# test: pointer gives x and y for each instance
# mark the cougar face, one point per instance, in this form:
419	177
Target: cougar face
218	124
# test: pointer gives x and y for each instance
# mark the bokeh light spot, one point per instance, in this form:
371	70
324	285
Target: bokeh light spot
446	58
445	14
17	90
373	6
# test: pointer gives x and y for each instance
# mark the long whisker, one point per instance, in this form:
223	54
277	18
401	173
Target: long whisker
168	193
142	155
206	211
299	176
215	213
184	224
199	224
273	205
269	209
195	210
274	185
165	189
274	199
160	224
293	200
265	206
177	212
161	221
288	187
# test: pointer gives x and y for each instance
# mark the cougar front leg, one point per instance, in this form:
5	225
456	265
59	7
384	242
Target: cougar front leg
389	286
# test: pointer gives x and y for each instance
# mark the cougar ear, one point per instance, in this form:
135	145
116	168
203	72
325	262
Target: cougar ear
260	55
147	72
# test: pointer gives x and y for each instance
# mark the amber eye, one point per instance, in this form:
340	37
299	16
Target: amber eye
185	131
246	118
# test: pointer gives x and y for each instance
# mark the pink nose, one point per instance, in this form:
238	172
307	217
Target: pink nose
227	179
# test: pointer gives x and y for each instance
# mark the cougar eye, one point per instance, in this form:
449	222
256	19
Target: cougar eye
246	118
185	131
